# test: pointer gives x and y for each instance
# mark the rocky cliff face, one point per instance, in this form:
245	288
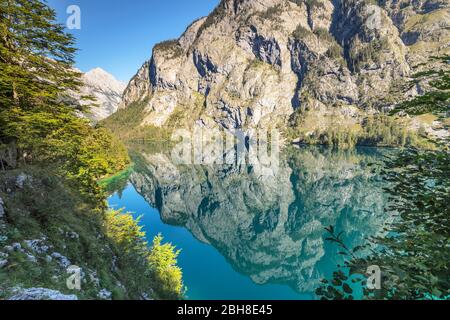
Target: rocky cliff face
106	90
270	227
256	63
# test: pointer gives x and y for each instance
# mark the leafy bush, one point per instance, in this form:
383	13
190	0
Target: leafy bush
167	275
126	125
62	157
153	268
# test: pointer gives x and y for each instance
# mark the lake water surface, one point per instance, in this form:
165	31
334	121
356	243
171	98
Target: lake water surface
248	235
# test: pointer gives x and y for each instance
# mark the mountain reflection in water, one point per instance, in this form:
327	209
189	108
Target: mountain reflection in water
269	228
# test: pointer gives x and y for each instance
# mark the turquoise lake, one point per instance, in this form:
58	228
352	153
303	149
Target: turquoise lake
247	235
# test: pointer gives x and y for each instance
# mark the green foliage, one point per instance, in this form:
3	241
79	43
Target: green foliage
99	154
311	4
125	232
414	256
121	121
336	136
126	125
381	130
140	263
437	98
167	275
43	138
53	207
363	53
413	252
170	46
376	130
214	17
80	152
36	56
301	32
183	116
324	35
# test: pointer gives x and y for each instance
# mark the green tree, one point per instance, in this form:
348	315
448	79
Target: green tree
167	275
437	83
138	262
41	131
413	253
37	117
36	56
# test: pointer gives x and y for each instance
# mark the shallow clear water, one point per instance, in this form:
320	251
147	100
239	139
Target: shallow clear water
247	235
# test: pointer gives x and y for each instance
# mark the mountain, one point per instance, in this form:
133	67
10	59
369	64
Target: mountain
309	65
106	89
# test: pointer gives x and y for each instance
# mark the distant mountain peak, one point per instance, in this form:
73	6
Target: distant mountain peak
106	89
98	76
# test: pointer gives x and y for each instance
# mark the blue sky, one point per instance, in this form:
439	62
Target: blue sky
118	35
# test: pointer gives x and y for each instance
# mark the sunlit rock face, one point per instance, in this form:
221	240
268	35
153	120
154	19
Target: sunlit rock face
253	63
270	227
105	89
